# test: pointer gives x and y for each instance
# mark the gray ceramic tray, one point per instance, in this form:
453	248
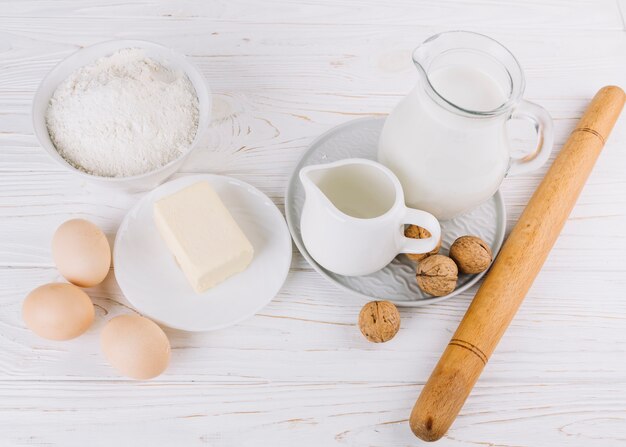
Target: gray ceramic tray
396	282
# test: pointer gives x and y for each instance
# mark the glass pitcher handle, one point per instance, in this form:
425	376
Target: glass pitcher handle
542	121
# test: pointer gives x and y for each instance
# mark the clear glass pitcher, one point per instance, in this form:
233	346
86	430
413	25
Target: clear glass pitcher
447	140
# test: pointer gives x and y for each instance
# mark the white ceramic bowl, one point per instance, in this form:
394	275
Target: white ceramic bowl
88	55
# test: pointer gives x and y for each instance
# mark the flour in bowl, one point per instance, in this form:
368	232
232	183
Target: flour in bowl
123	115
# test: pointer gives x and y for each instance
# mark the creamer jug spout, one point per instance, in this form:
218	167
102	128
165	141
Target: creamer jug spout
310	176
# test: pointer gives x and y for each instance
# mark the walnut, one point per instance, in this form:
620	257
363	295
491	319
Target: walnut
415	232
437	275
379	321
471	254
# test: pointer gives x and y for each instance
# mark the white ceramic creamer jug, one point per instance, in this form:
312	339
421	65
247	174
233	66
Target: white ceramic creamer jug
447	140
354	214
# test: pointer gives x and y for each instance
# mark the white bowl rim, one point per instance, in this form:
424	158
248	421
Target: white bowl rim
131	43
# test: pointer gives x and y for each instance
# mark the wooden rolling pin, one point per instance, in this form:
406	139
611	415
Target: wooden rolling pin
514	270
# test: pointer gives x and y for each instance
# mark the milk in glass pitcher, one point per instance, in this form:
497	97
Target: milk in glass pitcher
447	140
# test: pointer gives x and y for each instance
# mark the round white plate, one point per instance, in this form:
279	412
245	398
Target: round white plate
154	284
396	282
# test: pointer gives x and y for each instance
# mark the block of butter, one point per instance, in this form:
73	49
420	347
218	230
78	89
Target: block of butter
202	235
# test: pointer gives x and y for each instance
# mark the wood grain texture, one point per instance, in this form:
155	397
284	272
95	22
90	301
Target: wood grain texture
299	372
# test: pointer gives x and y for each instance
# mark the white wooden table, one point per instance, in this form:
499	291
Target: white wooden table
299	373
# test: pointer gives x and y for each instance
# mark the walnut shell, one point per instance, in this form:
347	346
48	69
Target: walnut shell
415	232
437	275
471	254
379	321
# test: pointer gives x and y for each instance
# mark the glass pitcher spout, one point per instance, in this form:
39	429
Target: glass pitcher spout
469	59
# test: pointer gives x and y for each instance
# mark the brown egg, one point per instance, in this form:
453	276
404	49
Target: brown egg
58	311
81	252
135	346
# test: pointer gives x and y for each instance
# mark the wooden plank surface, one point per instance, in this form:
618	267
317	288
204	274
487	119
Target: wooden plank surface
299	372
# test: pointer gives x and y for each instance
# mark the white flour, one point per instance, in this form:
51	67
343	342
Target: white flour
123	115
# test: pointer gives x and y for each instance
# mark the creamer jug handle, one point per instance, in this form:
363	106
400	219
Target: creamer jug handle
426	221
542	121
